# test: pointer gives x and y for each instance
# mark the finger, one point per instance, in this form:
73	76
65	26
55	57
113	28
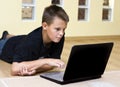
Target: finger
23	71
31	72
61	64
58	65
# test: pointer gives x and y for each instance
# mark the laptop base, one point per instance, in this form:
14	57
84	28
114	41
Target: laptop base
71	81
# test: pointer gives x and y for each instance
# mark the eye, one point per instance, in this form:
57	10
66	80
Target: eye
64	29
57	29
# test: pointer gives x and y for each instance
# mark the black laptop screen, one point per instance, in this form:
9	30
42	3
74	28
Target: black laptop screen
87	60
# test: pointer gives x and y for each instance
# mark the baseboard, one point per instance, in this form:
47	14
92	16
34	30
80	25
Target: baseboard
93	37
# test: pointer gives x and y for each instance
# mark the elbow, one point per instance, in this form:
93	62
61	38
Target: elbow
14	72
14	69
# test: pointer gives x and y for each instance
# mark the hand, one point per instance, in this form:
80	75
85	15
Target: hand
21	69
24	71
55	63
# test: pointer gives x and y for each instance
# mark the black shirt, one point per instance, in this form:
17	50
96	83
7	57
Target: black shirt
30	47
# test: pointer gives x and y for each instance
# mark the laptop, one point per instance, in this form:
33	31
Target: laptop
85	62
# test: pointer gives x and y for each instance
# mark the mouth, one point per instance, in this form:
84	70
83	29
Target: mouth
59	38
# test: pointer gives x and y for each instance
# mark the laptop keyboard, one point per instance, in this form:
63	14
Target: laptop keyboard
54	75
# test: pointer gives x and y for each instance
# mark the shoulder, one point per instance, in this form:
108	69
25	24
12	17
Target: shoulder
36	31
36	34
35	37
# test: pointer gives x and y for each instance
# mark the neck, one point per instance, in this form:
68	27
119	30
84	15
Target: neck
46	39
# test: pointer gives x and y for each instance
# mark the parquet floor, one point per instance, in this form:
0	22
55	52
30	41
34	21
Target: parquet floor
114	60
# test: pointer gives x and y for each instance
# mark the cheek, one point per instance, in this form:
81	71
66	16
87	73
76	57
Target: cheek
52	34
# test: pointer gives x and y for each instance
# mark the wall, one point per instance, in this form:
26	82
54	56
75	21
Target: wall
10	18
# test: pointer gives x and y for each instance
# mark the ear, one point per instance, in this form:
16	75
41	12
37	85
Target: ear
44	25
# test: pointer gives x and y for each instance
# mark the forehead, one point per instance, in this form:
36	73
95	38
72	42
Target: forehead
57	20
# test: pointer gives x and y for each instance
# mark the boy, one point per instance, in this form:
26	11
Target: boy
40	50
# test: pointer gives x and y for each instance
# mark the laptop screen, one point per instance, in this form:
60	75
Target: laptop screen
87	60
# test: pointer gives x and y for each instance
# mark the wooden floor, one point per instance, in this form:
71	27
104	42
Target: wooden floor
114	61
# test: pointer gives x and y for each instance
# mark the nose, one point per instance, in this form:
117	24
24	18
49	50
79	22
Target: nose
61	33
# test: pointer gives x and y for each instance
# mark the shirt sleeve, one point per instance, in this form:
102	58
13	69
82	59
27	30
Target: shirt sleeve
26	51
22	53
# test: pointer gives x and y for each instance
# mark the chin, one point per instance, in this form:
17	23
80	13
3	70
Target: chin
56	41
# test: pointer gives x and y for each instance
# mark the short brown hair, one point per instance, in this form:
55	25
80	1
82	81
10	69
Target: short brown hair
54	11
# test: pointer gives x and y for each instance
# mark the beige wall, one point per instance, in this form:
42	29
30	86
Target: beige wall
10	18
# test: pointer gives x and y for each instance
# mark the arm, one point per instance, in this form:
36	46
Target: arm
32	67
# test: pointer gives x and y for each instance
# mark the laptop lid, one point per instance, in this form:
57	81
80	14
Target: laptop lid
85	62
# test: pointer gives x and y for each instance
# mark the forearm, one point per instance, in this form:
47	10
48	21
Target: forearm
44	64
44	68
31	67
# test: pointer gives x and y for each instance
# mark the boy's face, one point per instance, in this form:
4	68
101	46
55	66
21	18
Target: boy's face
56	30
